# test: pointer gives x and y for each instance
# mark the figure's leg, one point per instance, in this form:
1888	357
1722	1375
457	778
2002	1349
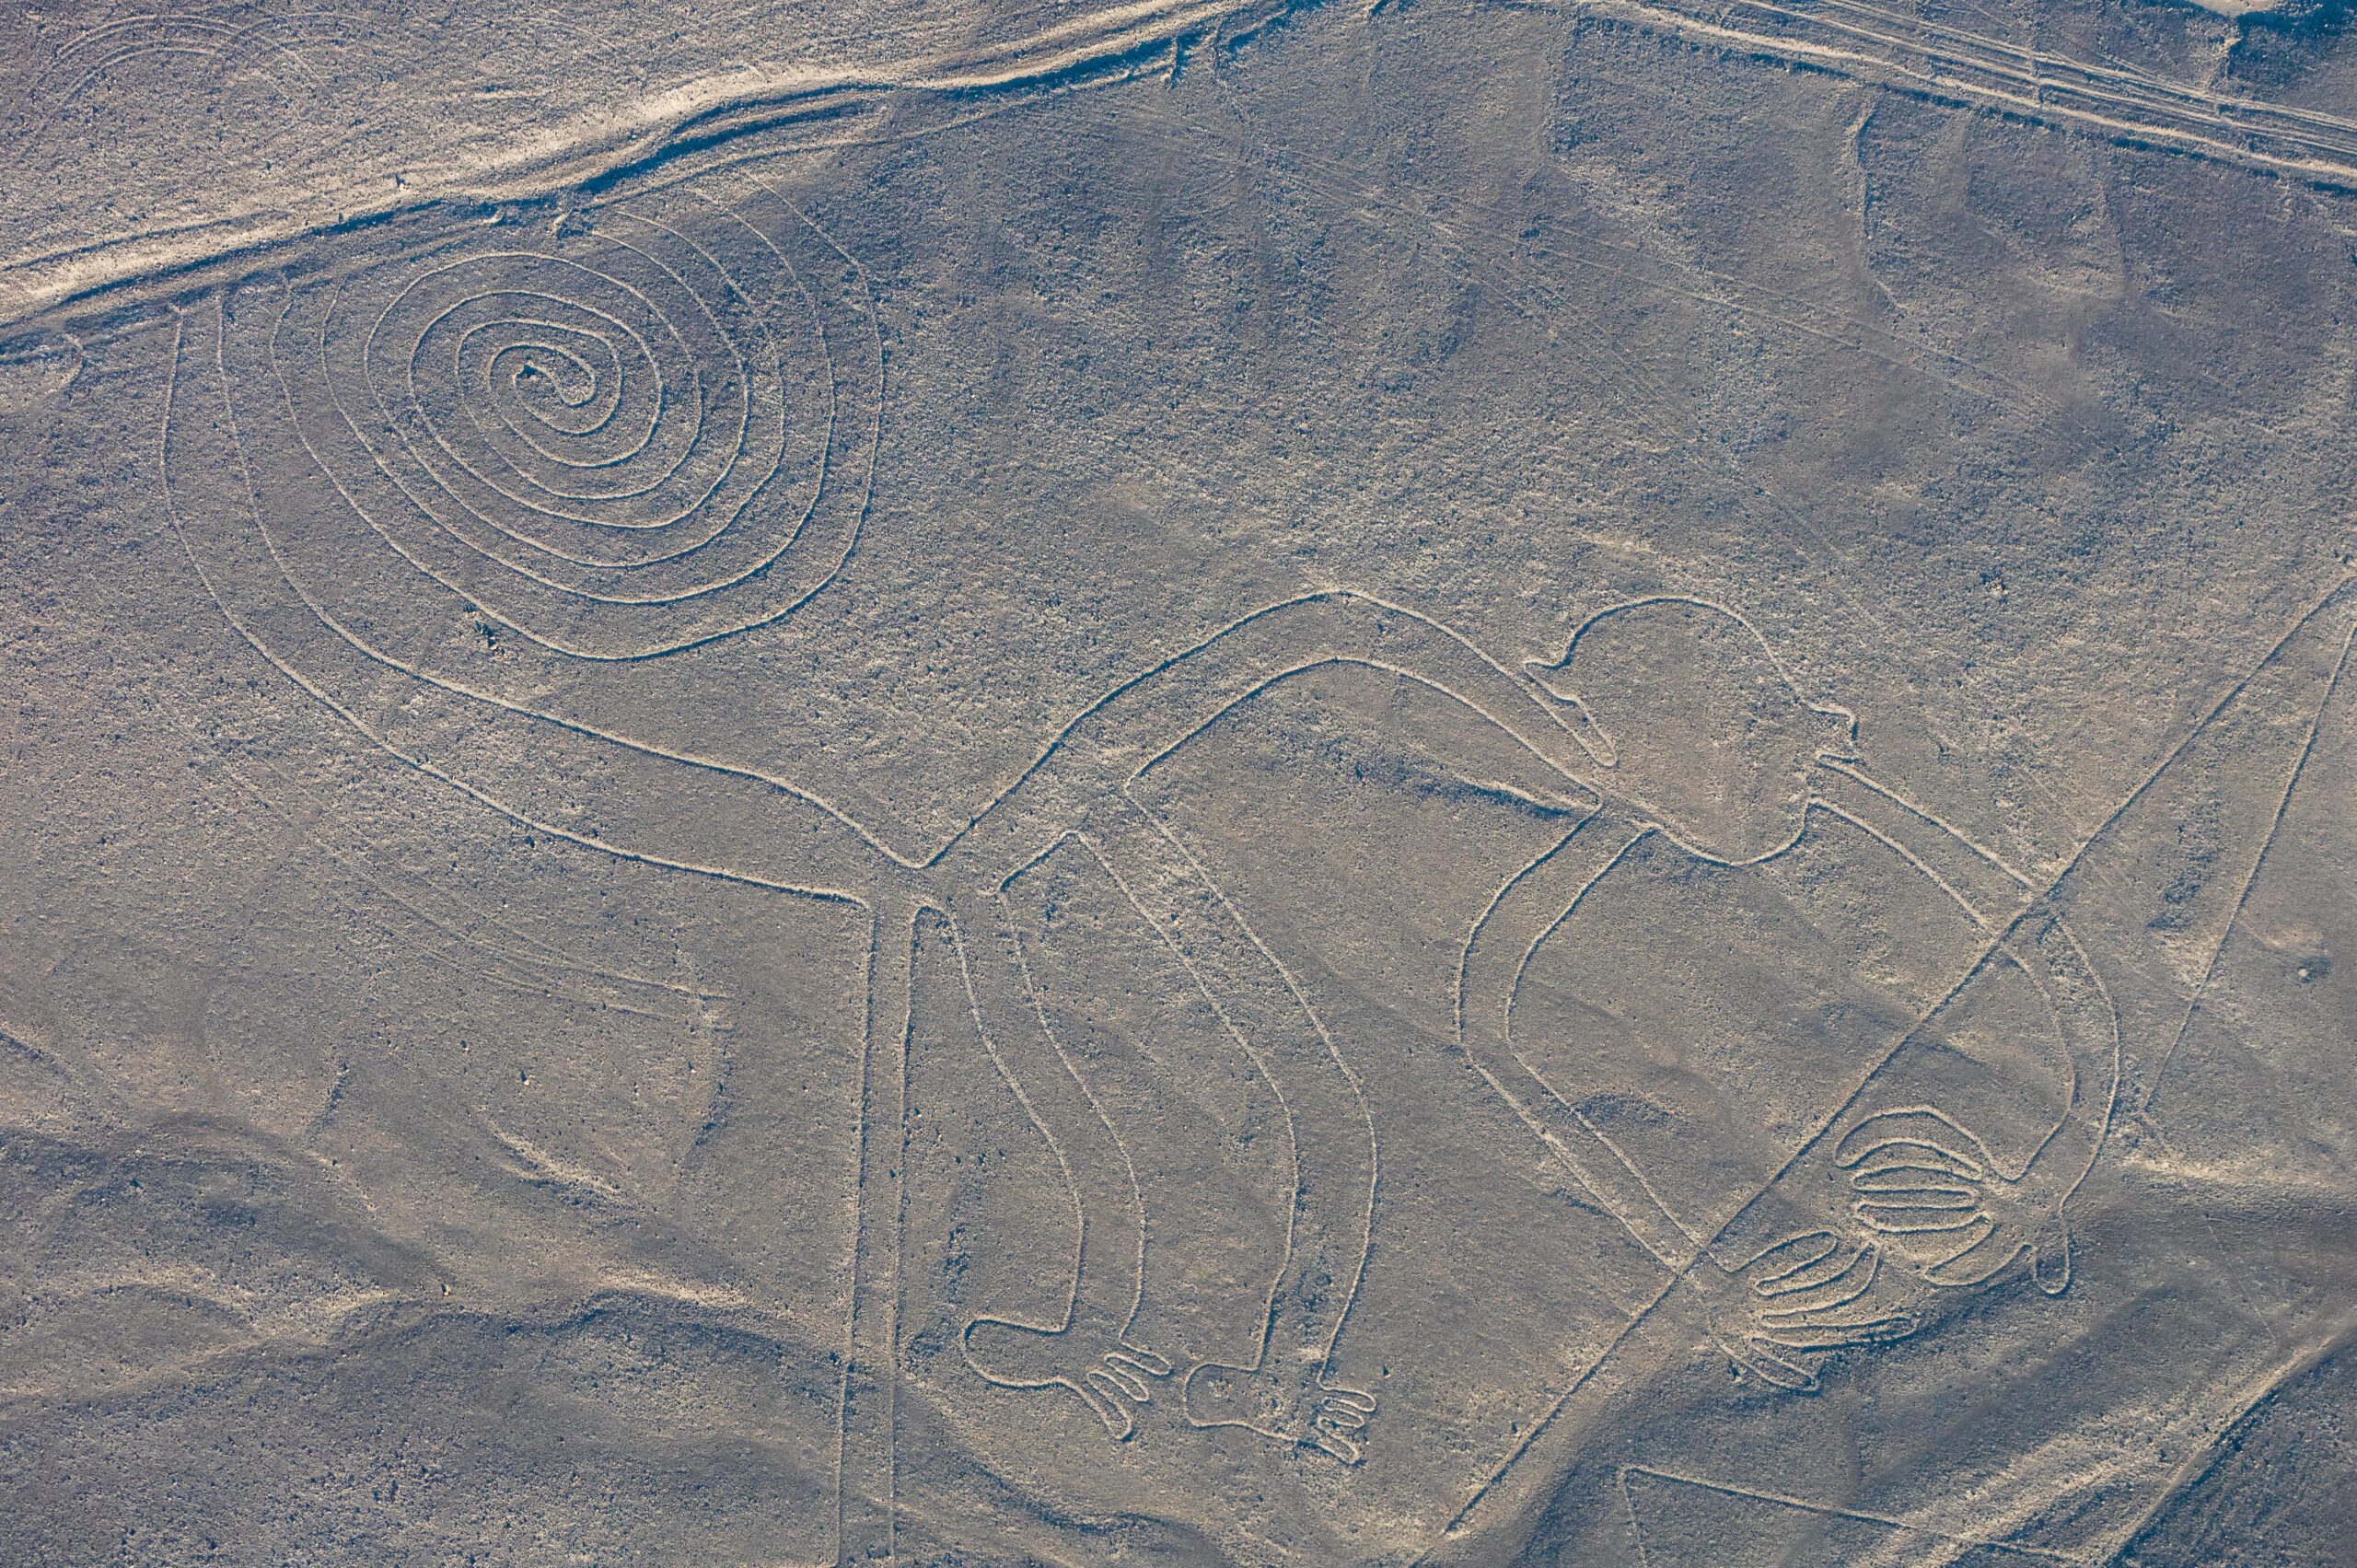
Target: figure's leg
1089	1352
1287	1392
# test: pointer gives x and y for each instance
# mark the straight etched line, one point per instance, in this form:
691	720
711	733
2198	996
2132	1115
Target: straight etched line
1827	1510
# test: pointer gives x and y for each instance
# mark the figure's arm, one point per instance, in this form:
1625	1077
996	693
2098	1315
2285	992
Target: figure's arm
1529	907
1801	1295
2252	746
1987	890
1920	1170
1128	730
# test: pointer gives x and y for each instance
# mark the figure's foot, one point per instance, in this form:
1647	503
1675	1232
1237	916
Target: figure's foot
1300	1409
1107	1374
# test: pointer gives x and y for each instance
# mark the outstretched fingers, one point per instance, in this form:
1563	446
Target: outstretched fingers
1840	1336
1987	1251
1023	1355
1822	1283
1824	1288
1103	1393
1909	1188
1922	1132
1902	1160
1329	1441
1810	1285
1762	1359
1794	1257
1119	1379
1342	1415
1917	1211
1916	1172
1129	1368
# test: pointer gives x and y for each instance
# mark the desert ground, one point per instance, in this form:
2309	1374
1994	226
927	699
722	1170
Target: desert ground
1213	782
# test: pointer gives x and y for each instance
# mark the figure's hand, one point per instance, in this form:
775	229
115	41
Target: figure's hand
1917	1172
1799	1296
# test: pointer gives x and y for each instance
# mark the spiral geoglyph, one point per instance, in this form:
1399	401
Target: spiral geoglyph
617	436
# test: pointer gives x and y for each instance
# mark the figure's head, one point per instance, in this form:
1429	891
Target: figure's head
1698	723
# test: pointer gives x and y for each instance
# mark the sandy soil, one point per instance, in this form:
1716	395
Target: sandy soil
1178	782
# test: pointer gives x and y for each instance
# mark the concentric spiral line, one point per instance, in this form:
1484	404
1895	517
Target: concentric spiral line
618	445
361	522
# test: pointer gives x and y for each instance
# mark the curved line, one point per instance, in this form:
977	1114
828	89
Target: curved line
1848	768
863	304
430	769
1910	856
1168	662
1157	826
1293	1129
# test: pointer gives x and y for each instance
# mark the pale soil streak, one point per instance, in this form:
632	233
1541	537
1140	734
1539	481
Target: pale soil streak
1844	37
1947	64
1095	47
